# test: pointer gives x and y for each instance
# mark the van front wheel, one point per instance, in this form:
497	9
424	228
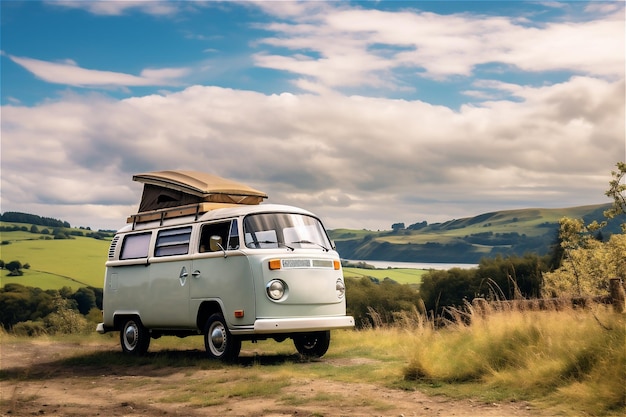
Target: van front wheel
312	344
218	341
134	338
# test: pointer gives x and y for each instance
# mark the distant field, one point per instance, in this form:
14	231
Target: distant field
53	264
400	275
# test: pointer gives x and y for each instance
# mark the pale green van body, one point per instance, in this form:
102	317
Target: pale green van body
162	278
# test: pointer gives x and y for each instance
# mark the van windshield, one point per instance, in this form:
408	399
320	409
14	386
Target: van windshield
273	230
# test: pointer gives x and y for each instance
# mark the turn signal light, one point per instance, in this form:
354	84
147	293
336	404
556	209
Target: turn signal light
238	314
336	264
274	264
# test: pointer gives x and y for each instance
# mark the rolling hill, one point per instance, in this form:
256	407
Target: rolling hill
467	240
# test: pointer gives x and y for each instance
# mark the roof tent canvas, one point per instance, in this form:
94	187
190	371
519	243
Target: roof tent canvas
171	189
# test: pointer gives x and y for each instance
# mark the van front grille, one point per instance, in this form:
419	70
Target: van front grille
307	263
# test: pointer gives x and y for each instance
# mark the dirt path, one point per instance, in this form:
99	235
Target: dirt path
35	380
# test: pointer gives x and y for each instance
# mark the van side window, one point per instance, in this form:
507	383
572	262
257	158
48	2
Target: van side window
135	246
227	231
173	242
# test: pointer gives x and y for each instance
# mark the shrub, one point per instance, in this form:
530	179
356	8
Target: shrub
30	328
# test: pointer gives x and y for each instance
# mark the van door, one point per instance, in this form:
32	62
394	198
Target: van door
223	274
170	274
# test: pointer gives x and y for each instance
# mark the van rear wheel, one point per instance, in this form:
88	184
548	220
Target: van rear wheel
218	341
313	344
134	338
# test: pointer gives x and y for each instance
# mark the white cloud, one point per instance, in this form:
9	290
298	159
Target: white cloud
119	7
68	73
340	47
357	161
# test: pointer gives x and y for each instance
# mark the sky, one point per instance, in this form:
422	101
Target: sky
365	113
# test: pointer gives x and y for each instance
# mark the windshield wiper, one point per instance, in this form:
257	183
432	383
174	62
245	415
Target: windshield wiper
311	243
271	242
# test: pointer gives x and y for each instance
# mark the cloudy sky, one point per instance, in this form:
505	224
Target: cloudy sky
366	113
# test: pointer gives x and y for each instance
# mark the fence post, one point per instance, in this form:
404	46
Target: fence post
618	296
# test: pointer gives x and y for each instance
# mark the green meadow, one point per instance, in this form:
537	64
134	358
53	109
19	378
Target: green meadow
74	263
400	275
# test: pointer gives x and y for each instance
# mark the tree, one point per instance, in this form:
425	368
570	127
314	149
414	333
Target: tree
85	299
15	268
589	263
442	288
512	277
617	192
397	226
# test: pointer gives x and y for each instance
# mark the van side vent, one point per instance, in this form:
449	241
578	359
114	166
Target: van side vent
113	246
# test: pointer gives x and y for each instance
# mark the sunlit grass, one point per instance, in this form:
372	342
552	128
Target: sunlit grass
573	360
75	263
400	275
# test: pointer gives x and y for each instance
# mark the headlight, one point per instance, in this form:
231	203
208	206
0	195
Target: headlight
275	289
341	289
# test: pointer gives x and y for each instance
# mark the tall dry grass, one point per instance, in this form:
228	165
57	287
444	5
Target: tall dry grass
572	361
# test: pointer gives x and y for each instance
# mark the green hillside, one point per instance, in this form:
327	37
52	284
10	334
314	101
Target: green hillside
54	263
467	240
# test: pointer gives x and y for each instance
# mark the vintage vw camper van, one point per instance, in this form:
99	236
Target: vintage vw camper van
204	256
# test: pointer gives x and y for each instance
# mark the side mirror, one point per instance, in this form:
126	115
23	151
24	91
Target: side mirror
215	244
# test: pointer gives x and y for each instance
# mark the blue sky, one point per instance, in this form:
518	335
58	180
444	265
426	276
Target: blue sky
367	113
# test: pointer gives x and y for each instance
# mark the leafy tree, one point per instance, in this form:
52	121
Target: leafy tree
17	217
511	277
64	319
20	303
588	263
617	191
397	226
85	299
364	296
14	268
445	288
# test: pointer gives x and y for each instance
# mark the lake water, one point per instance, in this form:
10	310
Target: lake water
414	265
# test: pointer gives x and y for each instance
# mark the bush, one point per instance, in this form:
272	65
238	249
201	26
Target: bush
373	304
30	328
66	321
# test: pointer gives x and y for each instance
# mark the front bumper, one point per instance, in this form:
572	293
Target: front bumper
297	325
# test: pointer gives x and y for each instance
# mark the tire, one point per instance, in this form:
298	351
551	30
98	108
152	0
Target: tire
134	338
218	341
312	344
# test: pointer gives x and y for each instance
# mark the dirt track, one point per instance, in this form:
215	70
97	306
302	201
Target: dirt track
36	380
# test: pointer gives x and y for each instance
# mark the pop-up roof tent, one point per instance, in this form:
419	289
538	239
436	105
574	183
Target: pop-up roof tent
169	194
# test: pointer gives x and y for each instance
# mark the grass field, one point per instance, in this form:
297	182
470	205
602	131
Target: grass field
400	275
54	264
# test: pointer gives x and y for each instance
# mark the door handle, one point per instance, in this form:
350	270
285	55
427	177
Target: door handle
195	273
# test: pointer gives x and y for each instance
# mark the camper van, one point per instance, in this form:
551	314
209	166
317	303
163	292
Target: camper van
203	256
